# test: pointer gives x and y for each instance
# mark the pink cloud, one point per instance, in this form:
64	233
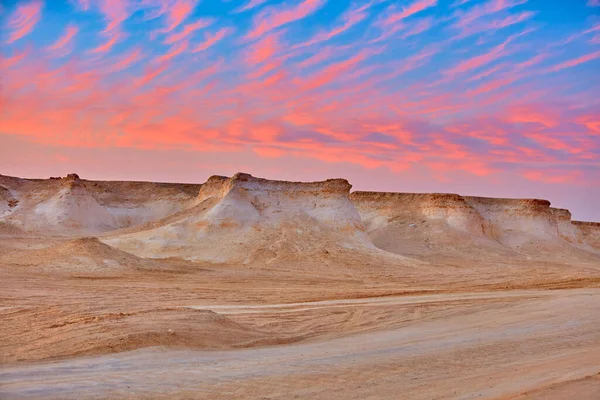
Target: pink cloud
409	10
126	60
173	52
24	19
65	39
107	46
533	114
8	62
178	12
478	61
490	86
250	5
269	152
320	56
538	58
490	26
331	72
115	13
264	49
481	10
592	122
486	73
279	16
577	61
210	40
187	30
418	28
552	176
350	19
150	74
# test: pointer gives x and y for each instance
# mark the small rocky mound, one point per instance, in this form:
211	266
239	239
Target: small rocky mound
72	209
68	334
81	255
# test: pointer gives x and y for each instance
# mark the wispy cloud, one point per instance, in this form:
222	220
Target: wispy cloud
250	5
65	39
23	20
187	30
107	45
350	19
210	40
409	10
275	17
577	61
464	18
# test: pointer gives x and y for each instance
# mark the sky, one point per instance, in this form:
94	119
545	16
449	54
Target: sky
495	98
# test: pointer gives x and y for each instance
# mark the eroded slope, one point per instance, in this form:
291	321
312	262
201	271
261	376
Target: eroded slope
245	219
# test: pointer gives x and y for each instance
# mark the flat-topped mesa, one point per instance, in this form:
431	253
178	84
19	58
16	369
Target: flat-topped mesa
393	200
514	222
450	208
218	185
336	185
244	199
587	224
589	233
236	218
566	229
516	206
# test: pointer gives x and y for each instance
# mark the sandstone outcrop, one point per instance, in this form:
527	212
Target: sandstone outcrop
243	219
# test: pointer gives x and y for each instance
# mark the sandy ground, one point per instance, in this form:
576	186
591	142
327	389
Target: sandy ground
519	344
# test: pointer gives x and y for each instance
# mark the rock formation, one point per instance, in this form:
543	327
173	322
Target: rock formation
243	219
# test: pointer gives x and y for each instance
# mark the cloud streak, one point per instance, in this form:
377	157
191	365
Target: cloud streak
24	19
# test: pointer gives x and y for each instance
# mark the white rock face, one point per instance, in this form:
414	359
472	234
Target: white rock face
409	223
589	232
242	218
514	222
8	201
72	208
566	229
377	209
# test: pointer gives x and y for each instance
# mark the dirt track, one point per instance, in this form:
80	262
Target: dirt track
487	345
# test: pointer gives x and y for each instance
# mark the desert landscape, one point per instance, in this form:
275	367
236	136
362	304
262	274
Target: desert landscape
244	287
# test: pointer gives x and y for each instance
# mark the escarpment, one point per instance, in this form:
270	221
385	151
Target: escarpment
243	218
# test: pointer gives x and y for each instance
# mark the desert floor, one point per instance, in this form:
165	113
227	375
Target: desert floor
270	335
